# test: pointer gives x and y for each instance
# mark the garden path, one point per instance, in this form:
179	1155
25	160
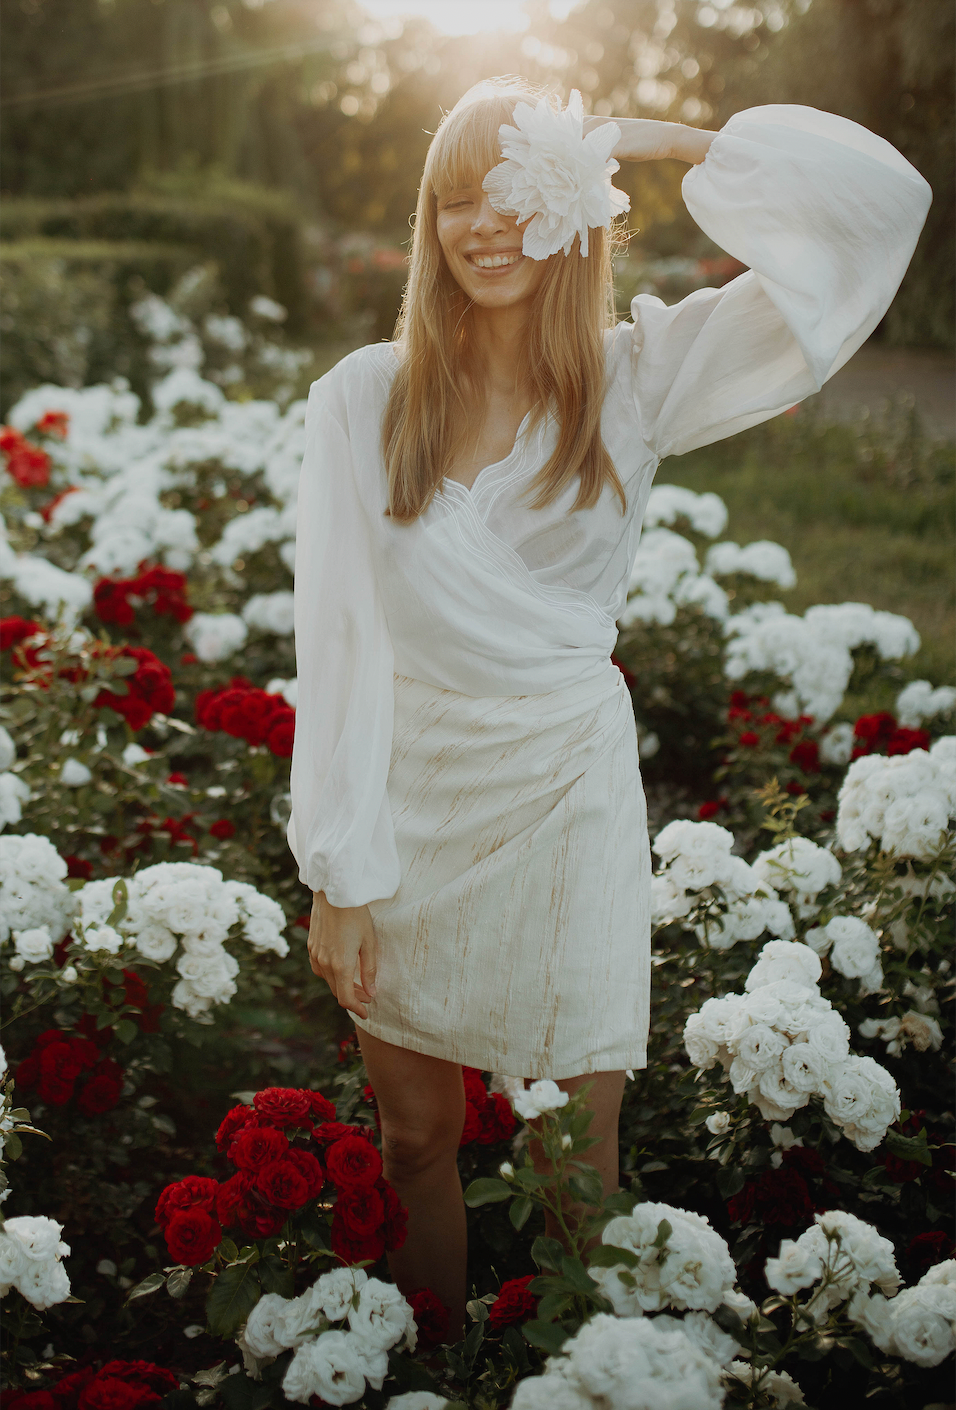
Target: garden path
877	372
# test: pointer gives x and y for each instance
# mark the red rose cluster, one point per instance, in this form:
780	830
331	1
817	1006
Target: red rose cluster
119	1385
882	734
14	630
514	1304
431	1318
287	1149
246	712
64	1065
785	1196
756	726
161	589
488	1115
27	464
150	689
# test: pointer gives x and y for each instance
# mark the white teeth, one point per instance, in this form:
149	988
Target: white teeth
494	261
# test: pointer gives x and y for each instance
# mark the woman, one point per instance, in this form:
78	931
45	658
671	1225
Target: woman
467	805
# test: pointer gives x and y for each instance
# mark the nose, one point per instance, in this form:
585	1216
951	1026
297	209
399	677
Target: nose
487	220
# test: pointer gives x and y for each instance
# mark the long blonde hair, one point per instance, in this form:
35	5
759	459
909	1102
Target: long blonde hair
426	417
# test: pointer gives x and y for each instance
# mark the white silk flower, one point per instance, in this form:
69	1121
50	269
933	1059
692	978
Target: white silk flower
555	177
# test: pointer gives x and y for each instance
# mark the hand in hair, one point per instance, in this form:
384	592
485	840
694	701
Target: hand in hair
647	140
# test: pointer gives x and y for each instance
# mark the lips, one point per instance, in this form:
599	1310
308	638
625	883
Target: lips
494	260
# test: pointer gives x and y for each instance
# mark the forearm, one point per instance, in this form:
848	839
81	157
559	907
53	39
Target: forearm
647	139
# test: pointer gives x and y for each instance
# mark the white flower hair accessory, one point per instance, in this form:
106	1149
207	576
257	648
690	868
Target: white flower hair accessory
556	177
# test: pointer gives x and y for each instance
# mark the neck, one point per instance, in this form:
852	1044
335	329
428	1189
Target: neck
500	337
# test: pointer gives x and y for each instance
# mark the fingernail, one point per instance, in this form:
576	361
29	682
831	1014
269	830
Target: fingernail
371	990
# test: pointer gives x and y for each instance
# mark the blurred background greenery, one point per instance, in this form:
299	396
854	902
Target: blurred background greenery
278	144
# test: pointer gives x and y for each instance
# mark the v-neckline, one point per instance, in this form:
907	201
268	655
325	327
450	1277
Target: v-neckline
469	489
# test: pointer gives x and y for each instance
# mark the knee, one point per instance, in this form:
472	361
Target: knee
412	1147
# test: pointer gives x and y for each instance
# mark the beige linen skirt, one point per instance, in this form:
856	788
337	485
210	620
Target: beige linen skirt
519	939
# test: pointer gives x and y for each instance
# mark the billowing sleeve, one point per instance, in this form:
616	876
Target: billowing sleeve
340	830
827	216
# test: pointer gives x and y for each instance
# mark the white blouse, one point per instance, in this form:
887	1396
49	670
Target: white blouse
485	596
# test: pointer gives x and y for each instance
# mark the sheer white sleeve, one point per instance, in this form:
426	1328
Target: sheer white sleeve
340	831
827	217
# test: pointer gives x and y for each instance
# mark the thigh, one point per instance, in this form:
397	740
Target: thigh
413	1090
604	1099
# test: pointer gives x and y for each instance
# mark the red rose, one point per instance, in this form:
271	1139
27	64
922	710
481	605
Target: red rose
194	1192
13	630
142	1373
111	601
322	1108
431	1318
103	1089
361	1210
309	1168
928	1249
783	1198
352	1248
79	869
223	829
260	1223
68	1388
54	423
281	734
749	739
192	1235
330	1131
475	1090
255	1146
352	1161
498	1121
472	1128
514	1304
284	1106
232	1122
207	708
30	1400
27	464
150	689
903	741
111	1393
231	1199
395	1226
283	1184
710	809
806	756
740	1206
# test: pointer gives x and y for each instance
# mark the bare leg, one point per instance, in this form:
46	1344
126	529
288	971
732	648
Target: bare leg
607	1089
421	1102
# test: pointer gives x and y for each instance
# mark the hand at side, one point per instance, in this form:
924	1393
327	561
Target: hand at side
343	952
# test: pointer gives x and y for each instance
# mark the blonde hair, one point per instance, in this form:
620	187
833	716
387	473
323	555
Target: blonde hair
426	417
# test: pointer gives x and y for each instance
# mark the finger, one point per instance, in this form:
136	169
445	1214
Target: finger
368	967
346	995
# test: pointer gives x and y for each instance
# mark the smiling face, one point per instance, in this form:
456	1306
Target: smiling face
482	249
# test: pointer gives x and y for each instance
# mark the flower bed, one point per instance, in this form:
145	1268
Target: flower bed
787	1157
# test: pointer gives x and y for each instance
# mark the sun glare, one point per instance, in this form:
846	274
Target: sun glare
455	16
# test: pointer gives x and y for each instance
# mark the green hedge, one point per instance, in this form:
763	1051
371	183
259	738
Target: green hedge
65	309
253	237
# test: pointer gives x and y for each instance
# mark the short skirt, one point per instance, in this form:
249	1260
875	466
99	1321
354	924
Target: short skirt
518	941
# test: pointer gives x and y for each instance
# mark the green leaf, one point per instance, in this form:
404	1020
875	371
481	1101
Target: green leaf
486	1192
149	1285
549	1336
577	1275
178	1281
664	1231
232	1297
858	1350
13	1147
410	1375
608	1256
909	1147
731	1180
228	1251
553	1305
126	1030
240	1393
586	1186
120	904
470	1346
529	1179
547	1253
276	1277
520	1211
621	1202
314	1229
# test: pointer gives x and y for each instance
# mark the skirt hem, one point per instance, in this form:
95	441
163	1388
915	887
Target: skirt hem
486	1062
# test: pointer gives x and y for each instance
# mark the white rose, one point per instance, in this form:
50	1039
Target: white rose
331	1295
34	945
39	1236
740	1303
856	947
103	937
803	1067
922	1324
328	1367
798	1264
74	774
155	942
701	1048
785	960
549	1392
383	1316
13	1260
760	1046
544	1097
417	1400
718	1122
264	1333
922	1030
44	1284
829	1037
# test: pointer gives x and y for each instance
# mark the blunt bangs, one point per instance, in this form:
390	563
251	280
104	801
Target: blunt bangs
466	145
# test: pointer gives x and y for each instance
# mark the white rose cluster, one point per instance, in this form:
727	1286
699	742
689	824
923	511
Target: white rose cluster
918	701
905	803
706	513
185	910
801	867
333	1362
843	1254
666	575
215	636
697	857
541	1098
270	612
631	1363
33	895
919	1324
781	1043
920	1029
30	1252
777	1386
853	948
770	562
691	1269
812	653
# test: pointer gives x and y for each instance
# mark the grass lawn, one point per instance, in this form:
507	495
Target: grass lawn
866	513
